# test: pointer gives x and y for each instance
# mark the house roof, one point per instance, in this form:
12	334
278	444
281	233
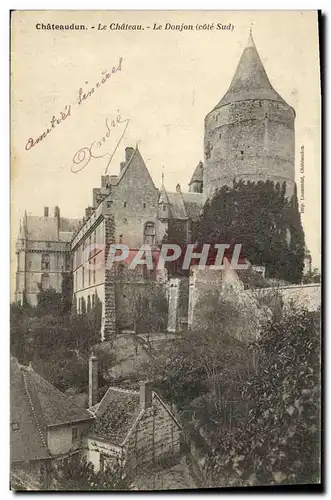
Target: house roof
57	408
46	228
250	80
197	174
115	414
34	406
27	437
177	206
193	204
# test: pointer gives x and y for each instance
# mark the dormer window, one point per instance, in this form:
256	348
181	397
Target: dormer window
164	208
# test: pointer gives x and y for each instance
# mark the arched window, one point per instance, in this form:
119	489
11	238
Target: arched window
149	233
45	283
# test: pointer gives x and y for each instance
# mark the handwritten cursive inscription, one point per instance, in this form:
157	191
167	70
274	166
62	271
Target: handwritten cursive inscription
54	121
84	155
82	96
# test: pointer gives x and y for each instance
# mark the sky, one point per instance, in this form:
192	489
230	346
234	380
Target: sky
167	82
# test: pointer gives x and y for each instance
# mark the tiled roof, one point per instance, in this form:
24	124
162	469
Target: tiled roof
56	407
45	228
250	80
41	228
197	174
27	433
193	204
116	414
69	225
34	405
177	207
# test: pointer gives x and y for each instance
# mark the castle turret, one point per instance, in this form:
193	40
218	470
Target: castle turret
249	134
196	183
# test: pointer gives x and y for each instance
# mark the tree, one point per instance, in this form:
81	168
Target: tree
48	302
261	218
77	474
314	276
58	344
146	309
279	440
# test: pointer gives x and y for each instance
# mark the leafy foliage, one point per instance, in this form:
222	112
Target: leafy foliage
261	218
57	344
278	441
252	410
76	474
146	309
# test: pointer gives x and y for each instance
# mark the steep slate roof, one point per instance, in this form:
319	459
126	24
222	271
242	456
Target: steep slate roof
197	174
41	228
193	204
45	228
56	407
177	207
250	80
115	415
35	405
28	442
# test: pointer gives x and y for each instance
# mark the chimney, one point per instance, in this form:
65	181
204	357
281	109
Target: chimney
46	211
93	381
104	181
146	395
122	165
57	212
128	154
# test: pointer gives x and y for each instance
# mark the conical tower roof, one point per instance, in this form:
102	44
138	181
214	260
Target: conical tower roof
198	174
250	80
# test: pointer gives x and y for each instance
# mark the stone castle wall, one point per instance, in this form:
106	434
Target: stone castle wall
253	140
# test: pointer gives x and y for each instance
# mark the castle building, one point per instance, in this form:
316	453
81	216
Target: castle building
43	253
126	209
249	134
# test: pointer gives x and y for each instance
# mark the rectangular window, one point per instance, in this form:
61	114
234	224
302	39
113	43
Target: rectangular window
149	233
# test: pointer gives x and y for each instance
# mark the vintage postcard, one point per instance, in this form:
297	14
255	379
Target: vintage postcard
165	250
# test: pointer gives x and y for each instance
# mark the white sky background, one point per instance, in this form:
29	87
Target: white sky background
168	83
